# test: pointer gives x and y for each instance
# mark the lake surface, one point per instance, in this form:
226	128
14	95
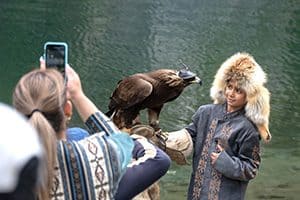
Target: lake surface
110	39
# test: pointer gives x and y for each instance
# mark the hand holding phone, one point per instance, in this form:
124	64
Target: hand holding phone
56	55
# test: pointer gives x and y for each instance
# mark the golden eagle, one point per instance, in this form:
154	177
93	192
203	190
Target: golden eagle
147	90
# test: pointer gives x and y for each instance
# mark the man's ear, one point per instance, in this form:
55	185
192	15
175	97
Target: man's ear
68	109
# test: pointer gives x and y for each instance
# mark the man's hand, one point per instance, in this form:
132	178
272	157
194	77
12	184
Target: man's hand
215	155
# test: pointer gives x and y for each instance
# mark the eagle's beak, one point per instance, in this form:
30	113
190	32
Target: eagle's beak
197	80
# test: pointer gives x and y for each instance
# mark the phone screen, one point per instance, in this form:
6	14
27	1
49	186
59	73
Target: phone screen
56	56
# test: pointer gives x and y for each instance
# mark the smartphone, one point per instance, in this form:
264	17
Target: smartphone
56	55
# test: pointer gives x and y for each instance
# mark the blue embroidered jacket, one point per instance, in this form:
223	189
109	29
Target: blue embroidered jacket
227	179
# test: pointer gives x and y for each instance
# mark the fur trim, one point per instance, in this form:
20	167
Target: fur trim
250	76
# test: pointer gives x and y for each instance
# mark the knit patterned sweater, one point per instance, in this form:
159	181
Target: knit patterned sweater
92	167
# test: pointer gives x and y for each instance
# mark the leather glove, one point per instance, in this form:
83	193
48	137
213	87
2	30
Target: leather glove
175	146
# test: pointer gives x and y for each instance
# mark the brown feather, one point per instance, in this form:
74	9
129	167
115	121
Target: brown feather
145	90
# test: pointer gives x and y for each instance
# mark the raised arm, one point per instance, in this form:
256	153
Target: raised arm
84	105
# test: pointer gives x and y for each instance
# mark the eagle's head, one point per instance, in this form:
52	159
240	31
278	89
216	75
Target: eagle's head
189	77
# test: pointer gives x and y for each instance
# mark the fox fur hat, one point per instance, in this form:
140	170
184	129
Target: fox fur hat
251	78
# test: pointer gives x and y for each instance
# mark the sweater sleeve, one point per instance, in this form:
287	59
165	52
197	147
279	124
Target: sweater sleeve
245	165
192	127
98	122
148	165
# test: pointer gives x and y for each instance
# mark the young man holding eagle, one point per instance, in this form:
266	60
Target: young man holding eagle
226	135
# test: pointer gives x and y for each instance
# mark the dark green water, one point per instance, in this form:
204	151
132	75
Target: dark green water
110	39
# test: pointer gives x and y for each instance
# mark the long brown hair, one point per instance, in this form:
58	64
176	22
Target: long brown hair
40	95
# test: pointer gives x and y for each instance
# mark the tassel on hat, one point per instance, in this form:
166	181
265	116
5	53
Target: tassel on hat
250	77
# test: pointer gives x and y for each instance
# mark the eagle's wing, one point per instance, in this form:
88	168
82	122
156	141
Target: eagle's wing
131	91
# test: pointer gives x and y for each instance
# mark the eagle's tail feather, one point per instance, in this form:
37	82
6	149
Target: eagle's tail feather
110	113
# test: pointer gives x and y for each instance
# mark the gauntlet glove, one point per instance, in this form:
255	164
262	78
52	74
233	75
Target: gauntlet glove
178	144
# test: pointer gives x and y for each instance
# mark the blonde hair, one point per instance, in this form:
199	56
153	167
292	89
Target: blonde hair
40	95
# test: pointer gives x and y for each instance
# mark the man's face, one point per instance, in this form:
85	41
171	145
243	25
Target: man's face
235	96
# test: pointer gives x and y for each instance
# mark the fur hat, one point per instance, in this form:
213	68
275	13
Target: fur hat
251	78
